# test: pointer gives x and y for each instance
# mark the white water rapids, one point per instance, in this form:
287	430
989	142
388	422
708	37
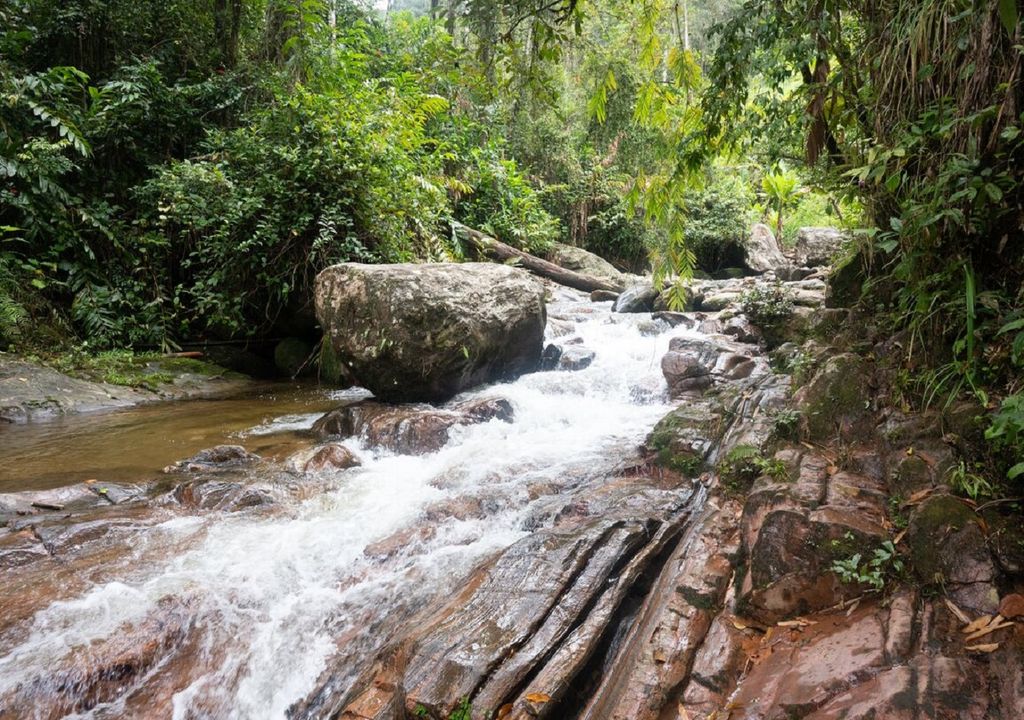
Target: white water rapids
276	595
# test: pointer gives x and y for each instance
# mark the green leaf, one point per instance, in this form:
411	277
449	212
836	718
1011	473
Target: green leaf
1008	13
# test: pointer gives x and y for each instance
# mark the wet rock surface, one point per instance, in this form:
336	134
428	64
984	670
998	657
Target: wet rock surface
696	580
30	392
636	299
424	332
332	456
407	428
220	457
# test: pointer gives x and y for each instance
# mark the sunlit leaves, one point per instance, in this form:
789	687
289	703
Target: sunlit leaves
598	103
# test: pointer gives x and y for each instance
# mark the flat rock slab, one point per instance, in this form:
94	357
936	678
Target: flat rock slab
532	618
31	392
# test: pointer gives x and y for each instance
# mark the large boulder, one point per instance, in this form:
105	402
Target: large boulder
763	252
845	282
817	246
583	262
425	332
636	299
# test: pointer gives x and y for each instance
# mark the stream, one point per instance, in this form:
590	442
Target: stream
261	599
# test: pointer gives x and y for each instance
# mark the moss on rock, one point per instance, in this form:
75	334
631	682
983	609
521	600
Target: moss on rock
836	401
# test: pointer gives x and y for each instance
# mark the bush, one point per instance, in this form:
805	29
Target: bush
717	221
314	179
499	200
767	305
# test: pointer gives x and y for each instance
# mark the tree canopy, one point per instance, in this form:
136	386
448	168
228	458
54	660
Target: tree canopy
175	171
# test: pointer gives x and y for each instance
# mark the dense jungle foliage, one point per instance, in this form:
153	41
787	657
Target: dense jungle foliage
175	170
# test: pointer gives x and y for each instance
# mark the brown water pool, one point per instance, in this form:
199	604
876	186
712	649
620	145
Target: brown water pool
136	443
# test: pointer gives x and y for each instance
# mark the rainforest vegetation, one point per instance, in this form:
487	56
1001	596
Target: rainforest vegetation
177	171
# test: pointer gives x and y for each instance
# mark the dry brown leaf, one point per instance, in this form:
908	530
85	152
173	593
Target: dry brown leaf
899	537
504	710
910	451
987	630
659	656
739	625
797	623
986	648
538	698
853	606
832	469
976	624
960	614
683	715
917	497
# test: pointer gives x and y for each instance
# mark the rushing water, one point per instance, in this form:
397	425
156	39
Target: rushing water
276	595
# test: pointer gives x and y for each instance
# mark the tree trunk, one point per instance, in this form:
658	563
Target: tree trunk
227	24
500	252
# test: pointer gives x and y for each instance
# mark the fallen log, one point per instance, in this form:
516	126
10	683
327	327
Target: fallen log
499	251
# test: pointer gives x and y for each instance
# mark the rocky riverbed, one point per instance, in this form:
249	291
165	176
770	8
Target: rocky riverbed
658	532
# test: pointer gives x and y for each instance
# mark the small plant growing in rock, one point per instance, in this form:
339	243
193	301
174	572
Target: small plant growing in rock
899	518
801	366
786	424
767	305
462	712
874	571
967	482
744	464
773	468
737	471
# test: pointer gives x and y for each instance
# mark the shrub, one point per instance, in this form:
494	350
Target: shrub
499	200
717	220
767	304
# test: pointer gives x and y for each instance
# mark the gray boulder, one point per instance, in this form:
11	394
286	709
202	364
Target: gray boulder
425	332
817	246
636	299
762	251
583	262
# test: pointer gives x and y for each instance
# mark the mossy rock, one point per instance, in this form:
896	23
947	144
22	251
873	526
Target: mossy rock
845	284
795	328
836	402
912	474
291	356
828	323
330	369
943	535
191	366
681	440
739	469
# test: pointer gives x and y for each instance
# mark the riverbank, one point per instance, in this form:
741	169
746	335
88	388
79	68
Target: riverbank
31	390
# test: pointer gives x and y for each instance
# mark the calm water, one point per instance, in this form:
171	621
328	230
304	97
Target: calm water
135	444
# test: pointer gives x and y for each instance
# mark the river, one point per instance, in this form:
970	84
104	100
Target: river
272	593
